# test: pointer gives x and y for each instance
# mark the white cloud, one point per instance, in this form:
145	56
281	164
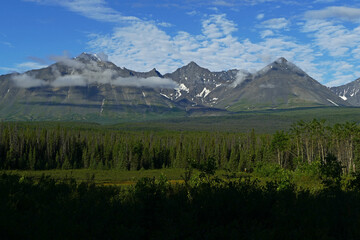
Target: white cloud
340	12
336	39
164	24
223	3
218	26
325	1
27	81
215	9
192	13
266	33
107	78
29	65
276	23
85	74
142	45
94	9
215	48
341	79
8	69
22	67
240	78
260	16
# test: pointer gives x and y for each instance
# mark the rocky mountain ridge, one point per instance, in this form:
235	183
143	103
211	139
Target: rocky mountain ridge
349	92
89	85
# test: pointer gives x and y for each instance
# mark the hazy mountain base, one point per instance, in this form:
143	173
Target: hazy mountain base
107	114
290	103
265	121
163	118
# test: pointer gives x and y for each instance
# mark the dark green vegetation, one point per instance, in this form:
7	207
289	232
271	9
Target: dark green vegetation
265	121
104	177
39	147
205	207
299	183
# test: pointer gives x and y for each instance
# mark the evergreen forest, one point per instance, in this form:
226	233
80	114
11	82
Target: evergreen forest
256	198
305	144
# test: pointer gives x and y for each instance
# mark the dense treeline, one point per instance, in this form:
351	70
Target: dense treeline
154	209
306	143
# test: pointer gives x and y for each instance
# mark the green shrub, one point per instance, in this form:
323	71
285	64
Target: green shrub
268	170
313	169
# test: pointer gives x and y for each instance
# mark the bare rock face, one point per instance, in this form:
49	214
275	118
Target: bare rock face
199	85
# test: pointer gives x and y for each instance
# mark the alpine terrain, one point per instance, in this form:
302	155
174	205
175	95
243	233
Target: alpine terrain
89	87
349	92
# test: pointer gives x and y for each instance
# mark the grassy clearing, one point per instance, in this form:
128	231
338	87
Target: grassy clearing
174	175
101	177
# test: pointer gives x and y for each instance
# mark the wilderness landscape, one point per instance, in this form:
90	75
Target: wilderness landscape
169	160
201	120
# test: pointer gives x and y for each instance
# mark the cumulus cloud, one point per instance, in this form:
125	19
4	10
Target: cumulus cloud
192	13
215	48
223	3
266	33
30	65
164	24
340	12
218	26
335	38
94	9
260	16
276	23
220	45
22	67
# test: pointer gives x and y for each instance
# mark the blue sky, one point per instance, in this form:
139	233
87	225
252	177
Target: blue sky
322	37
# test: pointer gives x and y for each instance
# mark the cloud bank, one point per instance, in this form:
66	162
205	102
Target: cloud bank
27	81
87	74
344	13
315	40
216	48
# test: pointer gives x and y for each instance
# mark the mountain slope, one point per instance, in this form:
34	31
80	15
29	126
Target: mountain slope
280	84
349	92
91	88
199	86
83	88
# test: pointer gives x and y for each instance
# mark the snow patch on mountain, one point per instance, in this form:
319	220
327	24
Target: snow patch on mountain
165	96
333	102
182	87
204	93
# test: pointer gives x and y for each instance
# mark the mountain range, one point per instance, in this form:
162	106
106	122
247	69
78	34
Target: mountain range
90	88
